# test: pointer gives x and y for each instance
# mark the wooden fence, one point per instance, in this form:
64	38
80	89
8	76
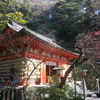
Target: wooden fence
11	93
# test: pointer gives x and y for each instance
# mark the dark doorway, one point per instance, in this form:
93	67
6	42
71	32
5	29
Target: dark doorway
49	73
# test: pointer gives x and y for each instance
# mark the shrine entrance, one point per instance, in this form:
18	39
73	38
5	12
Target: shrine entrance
49	73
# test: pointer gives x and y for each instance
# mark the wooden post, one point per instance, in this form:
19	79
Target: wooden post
4	96
12	94
8	94
19	94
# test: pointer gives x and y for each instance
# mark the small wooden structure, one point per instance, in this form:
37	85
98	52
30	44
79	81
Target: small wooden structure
24	50
11	93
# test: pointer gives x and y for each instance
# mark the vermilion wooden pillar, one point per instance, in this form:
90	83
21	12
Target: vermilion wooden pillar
43	73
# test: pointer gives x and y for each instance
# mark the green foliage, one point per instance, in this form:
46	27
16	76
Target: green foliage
68	19
2	7
17	17
36	23
77	72
7	6
32	25
69	92
2	24
68	15
89	78
56	81
8	9
53	93
77	98
25	9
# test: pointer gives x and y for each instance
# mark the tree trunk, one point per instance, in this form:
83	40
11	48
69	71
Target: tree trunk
76	62
63	79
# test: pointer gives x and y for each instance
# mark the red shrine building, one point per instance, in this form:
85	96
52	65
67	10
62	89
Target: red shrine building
35	56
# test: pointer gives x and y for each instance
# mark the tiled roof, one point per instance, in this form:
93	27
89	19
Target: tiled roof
18	28
42	38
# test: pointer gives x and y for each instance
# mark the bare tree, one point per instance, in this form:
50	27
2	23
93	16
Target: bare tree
88	46
74	62
92	47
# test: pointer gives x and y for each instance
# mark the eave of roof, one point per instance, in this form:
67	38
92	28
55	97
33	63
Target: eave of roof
18	28
15	27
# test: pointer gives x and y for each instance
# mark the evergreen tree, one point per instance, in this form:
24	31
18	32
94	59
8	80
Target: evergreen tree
8	9
70	18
